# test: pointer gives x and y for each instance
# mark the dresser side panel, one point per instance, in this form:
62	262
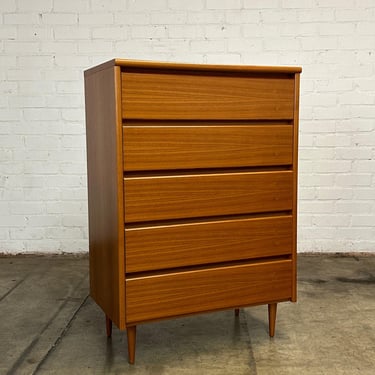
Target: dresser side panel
295	183
105	192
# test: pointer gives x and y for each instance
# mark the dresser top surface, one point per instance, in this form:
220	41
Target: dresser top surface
140	64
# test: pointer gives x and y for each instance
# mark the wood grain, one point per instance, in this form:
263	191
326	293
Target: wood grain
127	64
174	294
186	196
295	183
184	147
168	246
191	96
105	193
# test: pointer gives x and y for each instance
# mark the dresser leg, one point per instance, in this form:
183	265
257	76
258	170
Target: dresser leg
272	308
108	326
236	312
131	333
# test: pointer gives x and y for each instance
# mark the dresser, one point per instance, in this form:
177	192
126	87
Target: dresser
192	189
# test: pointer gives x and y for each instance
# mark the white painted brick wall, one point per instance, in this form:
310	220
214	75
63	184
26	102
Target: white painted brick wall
46	44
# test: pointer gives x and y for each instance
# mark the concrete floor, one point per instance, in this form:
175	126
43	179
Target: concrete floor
49	325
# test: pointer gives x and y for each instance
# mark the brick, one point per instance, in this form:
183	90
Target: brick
278	15
364	193
45	114
242	45
222	31
8	5
363	166
322	43
186	5
95	46
356	14
185	31
261	4
70	6
72	114
337	3
337	28
128	18
44	246
260	30
354	179
168	18
297	4
366	28
334	193
41	167
95	19
20	18
351	153
63	207
317	180
8	32
60	18
223	4
108	32
207	46
25	208
44	142
11	46
4	233
40	5
146	5
277	44
71	32
43	221
79	246
60	47
363	221
317	15
356	233
155	31
12	247
317	206
207	17
27	102
63	232
332	166
73	141
72	168
27	233
224	58
74	220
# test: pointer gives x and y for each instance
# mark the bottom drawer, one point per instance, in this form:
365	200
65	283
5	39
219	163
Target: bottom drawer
179	293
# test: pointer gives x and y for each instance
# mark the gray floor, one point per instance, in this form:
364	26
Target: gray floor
49	325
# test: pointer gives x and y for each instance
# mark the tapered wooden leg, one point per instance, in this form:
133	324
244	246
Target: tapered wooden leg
131	333
236	312
272	308
108	325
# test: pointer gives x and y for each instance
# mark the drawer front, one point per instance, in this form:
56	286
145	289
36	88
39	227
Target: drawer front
196	96
184	147
169	246
154	297
187	196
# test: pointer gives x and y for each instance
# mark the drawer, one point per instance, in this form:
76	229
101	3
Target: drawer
187	196
173	294
184	147
148	95
169	246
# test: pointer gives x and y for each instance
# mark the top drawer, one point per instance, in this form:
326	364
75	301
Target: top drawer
209	97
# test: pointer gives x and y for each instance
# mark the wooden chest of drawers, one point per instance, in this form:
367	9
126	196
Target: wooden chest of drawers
192	183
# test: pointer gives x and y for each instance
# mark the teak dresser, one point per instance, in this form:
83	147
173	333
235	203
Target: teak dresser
192	186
